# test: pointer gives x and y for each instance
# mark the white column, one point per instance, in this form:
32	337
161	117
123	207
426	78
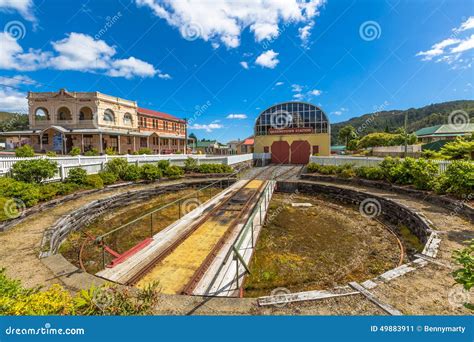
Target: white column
101	146
118	146
82	143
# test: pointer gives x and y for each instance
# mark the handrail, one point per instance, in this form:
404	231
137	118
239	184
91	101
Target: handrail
100	237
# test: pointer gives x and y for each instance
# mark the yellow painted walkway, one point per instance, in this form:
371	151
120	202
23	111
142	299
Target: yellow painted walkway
175	271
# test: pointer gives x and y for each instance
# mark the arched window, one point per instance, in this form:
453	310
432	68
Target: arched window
127	119
64	114
41	114
85	113
109	116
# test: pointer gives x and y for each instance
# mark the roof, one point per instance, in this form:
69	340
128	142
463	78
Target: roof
338	148
205	143
446	130
158	114
248	141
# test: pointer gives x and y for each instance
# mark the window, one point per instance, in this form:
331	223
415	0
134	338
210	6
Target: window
127	119
45	139
143	142
41	114
315	149
85	113
266	149
64	114
109	116
166	125
129	140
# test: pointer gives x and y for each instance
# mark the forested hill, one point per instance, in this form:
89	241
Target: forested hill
433	114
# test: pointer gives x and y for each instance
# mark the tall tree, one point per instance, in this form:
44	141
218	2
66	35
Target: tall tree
347	133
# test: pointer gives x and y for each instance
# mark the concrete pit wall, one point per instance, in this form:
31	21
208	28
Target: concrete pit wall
76	220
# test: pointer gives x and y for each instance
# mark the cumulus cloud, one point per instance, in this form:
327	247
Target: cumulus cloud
236	116
24	7
207	127
279	84
11	98
302	92
223	21
78	52
452	49
268	59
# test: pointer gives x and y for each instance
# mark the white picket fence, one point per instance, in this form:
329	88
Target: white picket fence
364	161
94	164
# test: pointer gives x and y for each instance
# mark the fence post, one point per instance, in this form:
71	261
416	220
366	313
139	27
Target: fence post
102	166
62	173
106	158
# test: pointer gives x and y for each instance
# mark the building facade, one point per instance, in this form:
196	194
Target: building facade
59	121
292	132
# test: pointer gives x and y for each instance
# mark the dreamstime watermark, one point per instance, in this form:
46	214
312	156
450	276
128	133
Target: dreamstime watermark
370	208
280	295
14	208
199	110
109	22
274	214
280	119
371	119
458	296
191	31
46	330
268	42
458	207
14	30
458	119
370	30
192	206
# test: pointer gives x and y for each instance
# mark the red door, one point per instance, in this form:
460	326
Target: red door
300	152
280	152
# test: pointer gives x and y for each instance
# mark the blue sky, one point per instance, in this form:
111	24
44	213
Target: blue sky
220	63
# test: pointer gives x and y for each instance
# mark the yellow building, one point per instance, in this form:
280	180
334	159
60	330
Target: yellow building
292	132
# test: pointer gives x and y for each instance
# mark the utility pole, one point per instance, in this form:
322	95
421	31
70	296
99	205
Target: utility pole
406	135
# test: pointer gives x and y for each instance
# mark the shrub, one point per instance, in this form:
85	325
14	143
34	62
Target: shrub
387	165
75	151
424	174
26	192
150	172
370	172
116	166
34	170
92	152
347	173
458	178
328	169
191	164
77	175
25	151
51	154
48	191
145	150
163	164
131	173
66	188
214	168
110	151
108	177
94	181
173	171
313	167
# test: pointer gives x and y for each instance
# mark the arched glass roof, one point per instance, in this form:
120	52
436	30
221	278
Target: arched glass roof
290	115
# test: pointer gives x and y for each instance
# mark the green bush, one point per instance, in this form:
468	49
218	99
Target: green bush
347	173
424	174
328	169
25	151
77	175
92	152
370	172
34	170
116	166
108	177
145	150
387	165
51	154
214	168
173	171
458	178
191	165
110	151
163	164
94	181
75	151
66	188
131	173
26	192
150	172
313	167
48	191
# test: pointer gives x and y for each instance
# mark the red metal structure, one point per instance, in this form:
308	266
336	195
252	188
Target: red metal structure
280	152
300	152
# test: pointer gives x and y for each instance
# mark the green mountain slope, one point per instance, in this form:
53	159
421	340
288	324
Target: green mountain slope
433	114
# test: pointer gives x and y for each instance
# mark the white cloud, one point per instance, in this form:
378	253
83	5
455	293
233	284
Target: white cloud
78	52
208	128
451	50
236	116
279	84
315	92
305	33
296	88
268	59
244	65
16	80
223	21
340	111
301	92
298	96
12	99
24	7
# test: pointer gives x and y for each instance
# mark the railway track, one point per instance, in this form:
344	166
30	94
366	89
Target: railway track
226	215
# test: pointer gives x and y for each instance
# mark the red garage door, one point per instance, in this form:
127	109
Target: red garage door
300	151
280	152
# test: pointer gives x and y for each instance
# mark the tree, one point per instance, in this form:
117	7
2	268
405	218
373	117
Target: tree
347	133
24	151
458	149
193	136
